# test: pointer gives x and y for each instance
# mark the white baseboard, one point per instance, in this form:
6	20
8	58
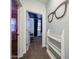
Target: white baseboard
51	55
24	51
21	55
43	46
14	56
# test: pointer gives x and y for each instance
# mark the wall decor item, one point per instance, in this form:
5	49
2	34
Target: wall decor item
55	45
51	15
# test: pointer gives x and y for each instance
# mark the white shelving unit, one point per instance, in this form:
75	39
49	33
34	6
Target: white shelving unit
57	50
53	37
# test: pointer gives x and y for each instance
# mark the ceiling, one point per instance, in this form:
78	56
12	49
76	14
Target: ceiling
42	1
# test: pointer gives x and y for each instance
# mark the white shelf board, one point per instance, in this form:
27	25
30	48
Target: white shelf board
55	38
59	53
54	46
50	54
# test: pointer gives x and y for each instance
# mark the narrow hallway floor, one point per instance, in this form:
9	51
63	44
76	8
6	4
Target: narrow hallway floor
36	51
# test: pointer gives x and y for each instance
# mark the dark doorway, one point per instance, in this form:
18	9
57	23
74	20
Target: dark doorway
35	22
37	19
14	28
35	25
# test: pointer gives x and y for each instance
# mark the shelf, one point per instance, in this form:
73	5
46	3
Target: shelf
55	38
55	46
50	54
57	50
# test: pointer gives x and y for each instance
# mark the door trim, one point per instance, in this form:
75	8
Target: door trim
43	44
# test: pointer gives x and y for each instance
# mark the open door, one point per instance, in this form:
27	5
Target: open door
14	27
15	5
27	31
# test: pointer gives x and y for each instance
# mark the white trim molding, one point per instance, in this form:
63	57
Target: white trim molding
61	51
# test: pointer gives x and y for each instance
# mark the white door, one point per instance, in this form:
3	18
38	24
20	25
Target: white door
27	31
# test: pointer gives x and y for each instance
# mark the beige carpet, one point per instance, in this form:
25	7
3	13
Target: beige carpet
36	51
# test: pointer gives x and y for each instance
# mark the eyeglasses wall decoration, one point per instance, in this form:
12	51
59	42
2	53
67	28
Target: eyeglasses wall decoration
51	15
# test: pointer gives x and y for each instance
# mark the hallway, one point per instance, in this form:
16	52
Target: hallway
54	19
36	51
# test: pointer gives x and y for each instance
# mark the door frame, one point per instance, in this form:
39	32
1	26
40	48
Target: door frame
27	26
27	32
14	36
19	5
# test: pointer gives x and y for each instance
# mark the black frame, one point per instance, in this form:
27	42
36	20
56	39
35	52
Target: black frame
54	13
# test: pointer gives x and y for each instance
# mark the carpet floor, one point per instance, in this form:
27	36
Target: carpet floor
36	51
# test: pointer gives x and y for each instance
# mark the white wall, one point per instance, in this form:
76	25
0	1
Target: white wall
20	32
36	7
57	26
